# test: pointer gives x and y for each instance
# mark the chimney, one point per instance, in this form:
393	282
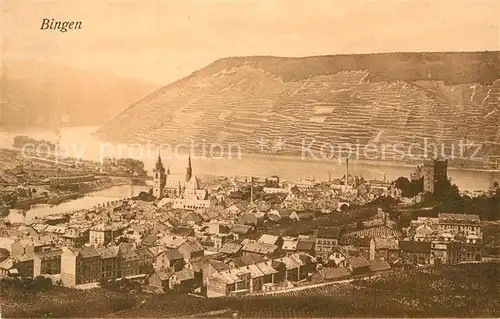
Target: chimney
251	190
346	170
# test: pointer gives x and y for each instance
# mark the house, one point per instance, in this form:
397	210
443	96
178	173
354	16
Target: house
191	249
338	256
191	218
183	231
415	252
130	263
445	252
31	245
146	259
231	249
256	278
326	239
459	223
217	228
103	234
241	229
358	265
261	249
385	249
171	258
250	218
149	240
331	274
271	239
289	244
223	284
360	244
25	266
171	241
160	279
47	262
110	262
80	266
377	266
268	271
245	260
73	238
182	280
8	268
306	245
210	267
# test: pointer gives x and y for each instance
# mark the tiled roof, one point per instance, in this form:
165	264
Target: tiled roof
333	273
255	271
164	274
192	245
240	229
358	262
231	248
173	254
379	265
87	252
305	244
247	260
184	274
260	248
328	232
266	268
108	252
268	239
172	241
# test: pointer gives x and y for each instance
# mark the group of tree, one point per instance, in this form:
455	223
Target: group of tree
39	283
447	197
135	167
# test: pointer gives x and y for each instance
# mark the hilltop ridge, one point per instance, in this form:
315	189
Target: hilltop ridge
358	99
47	95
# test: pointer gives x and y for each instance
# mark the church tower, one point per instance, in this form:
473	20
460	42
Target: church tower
159	178
189	170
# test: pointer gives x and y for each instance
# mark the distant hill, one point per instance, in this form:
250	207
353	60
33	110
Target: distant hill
358	99
45	95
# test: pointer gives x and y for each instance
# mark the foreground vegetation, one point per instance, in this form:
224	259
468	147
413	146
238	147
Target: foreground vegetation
469	290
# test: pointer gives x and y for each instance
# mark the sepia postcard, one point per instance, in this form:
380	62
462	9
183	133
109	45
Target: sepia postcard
250	159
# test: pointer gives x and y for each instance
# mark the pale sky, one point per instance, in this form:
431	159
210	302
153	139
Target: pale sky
161	41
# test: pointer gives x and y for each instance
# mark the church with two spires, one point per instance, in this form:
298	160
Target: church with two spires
183	191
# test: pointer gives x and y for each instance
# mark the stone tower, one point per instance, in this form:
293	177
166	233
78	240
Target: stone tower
159	178
434	172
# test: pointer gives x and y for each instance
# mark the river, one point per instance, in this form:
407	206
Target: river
79	142
88	201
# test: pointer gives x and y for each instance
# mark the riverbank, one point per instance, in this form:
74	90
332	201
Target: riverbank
78	190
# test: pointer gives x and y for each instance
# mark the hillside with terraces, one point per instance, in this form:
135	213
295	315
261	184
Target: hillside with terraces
395	100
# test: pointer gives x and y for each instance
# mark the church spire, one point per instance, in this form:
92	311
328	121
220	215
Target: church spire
159	165
189	170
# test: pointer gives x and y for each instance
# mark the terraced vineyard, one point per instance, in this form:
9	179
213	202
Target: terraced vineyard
244	103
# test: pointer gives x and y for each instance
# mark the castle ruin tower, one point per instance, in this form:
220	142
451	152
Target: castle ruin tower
434	172
159	178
